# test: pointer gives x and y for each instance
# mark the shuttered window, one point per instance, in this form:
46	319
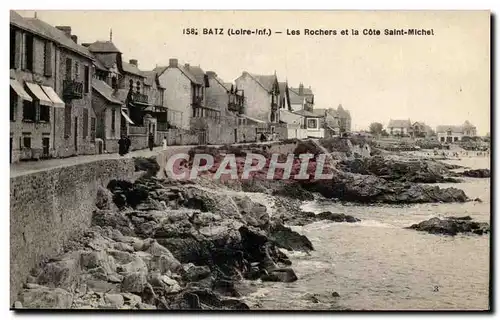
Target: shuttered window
67	121
85	123
48	59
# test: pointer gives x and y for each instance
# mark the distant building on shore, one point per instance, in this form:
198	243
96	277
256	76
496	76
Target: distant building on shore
336	121
455	133
399	127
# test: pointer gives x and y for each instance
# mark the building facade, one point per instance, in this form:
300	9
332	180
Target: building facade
454	133
51	113
301	98
262	96
399	127
184	94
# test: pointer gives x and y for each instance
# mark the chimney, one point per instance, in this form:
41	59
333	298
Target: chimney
74	38
301	89
211	74
173	63
186	65
134	62
66	30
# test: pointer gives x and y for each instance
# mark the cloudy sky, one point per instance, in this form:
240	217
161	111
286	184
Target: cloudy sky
440	79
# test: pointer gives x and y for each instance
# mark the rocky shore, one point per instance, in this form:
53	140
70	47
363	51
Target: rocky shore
167	244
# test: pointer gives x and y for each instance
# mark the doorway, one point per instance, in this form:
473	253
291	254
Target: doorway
76	134
45	147
10	154
235	135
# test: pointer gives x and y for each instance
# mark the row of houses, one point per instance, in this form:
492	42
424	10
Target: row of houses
444	133
69	98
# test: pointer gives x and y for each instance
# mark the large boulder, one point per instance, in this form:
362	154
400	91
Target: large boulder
288	239
46	298
477	173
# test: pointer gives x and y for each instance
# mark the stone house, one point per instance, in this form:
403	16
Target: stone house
335	121
50	101
399	127
184	95
225	97
156	92
301	98
420	130
455	133
262	96
126	84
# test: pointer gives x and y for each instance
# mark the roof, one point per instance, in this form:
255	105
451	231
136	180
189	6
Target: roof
99	65
121	94
306	113
343	112
226	85
282	86
103	47
467	124
266	82
105	90
49	32
452	128
305	91
188	72
399	124
130	68
295	98
290	117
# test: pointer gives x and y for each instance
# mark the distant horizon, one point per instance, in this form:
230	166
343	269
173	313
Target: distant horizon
445	77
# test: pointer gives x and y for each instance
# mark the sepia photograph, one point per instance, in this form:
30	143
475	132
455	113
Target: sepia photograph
250	160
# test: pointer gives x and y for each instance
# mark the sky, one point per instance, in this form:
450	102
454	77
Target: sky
439	79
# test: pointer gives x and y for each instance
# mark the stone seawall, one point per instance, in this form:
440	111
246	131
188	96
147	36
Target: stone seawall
47	207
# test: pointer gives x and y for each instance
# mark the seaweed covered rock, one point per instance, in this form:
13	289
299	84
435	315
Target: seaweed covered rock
452	226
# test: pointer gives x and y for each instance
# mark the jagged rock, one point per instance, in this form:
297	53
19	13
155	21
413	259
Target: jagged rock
452	226
98	259
145	306
136	265
280	275
104	199
254	214
131	299
115	300
114	220
60	273
195	273
288	239
477	173
150	165
295	191
46	298
336	217
134	282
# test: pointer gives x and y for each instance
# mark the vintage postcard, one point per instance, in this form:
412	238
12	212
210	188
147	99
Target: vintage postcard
250	160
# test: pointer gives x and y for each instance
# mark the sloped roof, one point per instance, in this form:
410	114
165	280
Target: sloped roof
121	94
151	78
103	47
467	124
130	68
452	128
290	117
306	91
227	85
49	32
105	90
306	113
196	72
265	81
282	86
99	65
295	98
185	71
107	60
399	124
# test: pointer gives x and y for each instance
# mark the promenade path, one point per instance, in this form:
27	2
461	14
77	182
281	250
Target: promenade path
23	168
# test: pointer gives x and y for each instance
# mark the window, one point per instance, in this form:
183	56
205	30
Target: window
13	104
29	52
131	84
85	123
44	113
69	65
114	83
77	70
92	129
45	147
27	142
138	87
449	132
86	85
455	139
48	59
113	120
29	113
13	49
312	124
67	121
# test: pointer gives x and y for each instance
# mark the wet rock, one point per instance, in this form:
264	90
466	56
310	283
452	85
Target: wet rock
145	306
335	294
46	298
452	226
336	217
295	191
280	275
115	300
195	273
477	173
288	239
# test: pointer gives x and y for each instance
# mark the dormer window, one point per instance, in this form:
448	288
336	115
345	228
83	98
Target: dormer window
131	84
138	86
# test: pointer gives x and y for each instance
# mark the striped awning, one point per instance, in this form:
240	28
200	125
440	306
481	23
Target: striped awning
18	88
125	115
37	91
58	103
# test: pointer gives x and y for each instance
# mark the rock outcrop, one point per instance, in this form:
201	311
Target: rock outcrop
477	173
452	226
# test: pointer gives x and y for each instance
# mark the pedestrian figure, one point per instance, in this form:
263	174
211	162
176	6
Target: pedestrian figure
262	137
128	142
122	146
151	141
165	143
